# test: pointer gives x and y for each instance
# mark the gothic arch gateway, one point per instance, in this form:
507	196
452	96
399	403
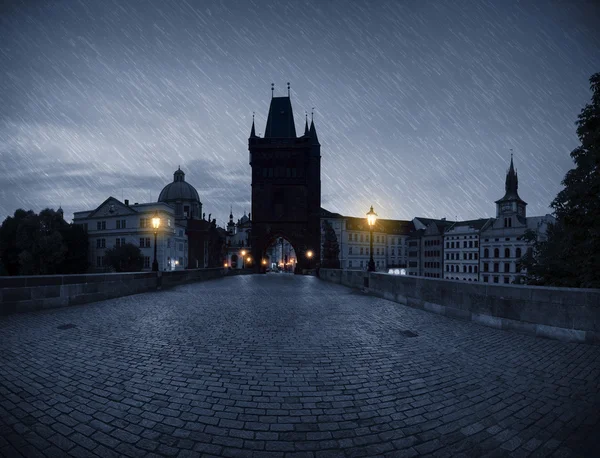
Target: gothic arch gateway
286	185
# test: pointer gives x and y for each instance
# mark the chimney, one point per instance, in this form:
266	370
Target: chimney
127	202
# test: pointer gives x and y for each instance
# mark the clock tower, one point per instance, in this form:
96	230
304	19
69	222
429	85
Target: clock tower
511	204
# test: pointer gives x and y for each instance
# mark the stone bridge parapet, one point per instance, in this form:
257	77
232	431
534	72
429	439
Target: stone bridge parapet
570	314
29	293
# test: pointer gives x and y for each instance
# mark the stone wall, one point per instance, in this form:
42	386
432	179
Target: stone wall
570	314
24	294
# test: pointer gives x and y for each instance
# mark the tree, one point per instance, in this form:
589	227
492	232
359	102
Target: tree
125	258
77	242
43	244
570	256
331	248
9	252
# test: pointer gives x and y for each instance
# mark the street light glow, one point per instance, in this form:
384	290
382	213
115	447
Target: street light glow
371	217
309	254
155	220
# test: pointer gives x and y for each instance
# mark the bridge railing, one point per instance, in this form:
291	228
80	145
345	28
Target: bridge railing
570	314
28	293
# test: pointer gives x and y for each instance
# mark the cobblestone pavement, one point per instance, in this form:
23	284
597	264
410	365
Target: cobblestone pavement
283	365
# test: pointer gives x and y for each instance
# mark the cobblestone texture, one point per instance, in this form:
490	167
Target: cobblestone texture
275	365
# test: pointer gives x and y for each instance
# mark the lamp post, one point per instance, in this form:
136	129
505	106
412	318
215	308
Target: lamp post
371	219
309	255
155	224
243	254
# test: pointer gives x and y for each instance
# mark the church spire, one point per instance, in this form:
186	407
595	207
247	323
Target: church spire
512	181
253	130
306	132
313	131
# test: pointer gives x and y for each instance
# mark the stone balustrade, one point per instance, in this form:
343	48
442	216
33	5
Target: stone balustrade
570	314
28	293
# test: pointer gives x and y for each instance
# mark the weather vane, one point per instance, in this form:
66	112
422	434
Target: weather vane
272	90
288	85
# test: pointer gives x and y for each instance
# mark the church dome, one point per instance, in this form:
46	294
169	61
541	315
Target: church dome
182	195
179	189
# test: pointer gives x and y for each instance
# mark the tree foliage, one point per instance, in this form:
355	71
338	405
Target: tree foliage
570	254
125	258
331	247
44	244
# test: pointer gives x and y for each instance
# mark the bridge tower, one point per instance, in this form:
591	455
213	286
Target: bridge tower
286	184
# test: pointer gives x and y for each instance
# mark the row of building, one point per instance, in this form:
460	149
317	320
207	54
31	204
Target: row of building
485	250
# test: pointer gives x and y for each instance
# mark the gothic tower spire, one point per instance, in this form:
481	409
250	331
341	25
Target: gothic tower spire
253	130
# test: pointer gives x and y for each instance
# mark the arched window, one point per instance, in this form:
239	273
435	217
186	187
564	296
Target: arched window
496	252
507	252
486	253
518	253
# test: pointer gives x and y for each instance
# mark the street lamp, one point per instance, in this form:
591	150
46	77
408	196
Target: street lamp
309	255
155	224
371	219
243	254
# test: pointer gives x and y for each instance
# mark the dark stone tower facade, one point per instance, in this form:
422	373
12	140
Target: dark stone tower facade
511	203
286	185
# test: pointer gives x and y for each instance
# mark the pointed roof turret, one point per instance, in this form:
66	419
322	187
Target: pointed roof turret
511	184
512	180
253	130
313	133
306	132
280	121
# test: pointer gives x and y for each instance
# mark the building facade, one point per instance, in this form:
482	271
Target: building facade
501	241
114	223
461	250
237	246
389	241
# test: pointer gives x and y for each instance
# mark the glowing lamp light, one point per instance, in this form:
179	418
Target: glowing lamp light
155	220
309	254
243	252
248	259
225	265
264	262
371	217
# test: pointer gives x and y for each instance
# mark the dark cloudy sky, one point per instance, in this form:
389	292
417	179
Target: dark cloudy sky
417	103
